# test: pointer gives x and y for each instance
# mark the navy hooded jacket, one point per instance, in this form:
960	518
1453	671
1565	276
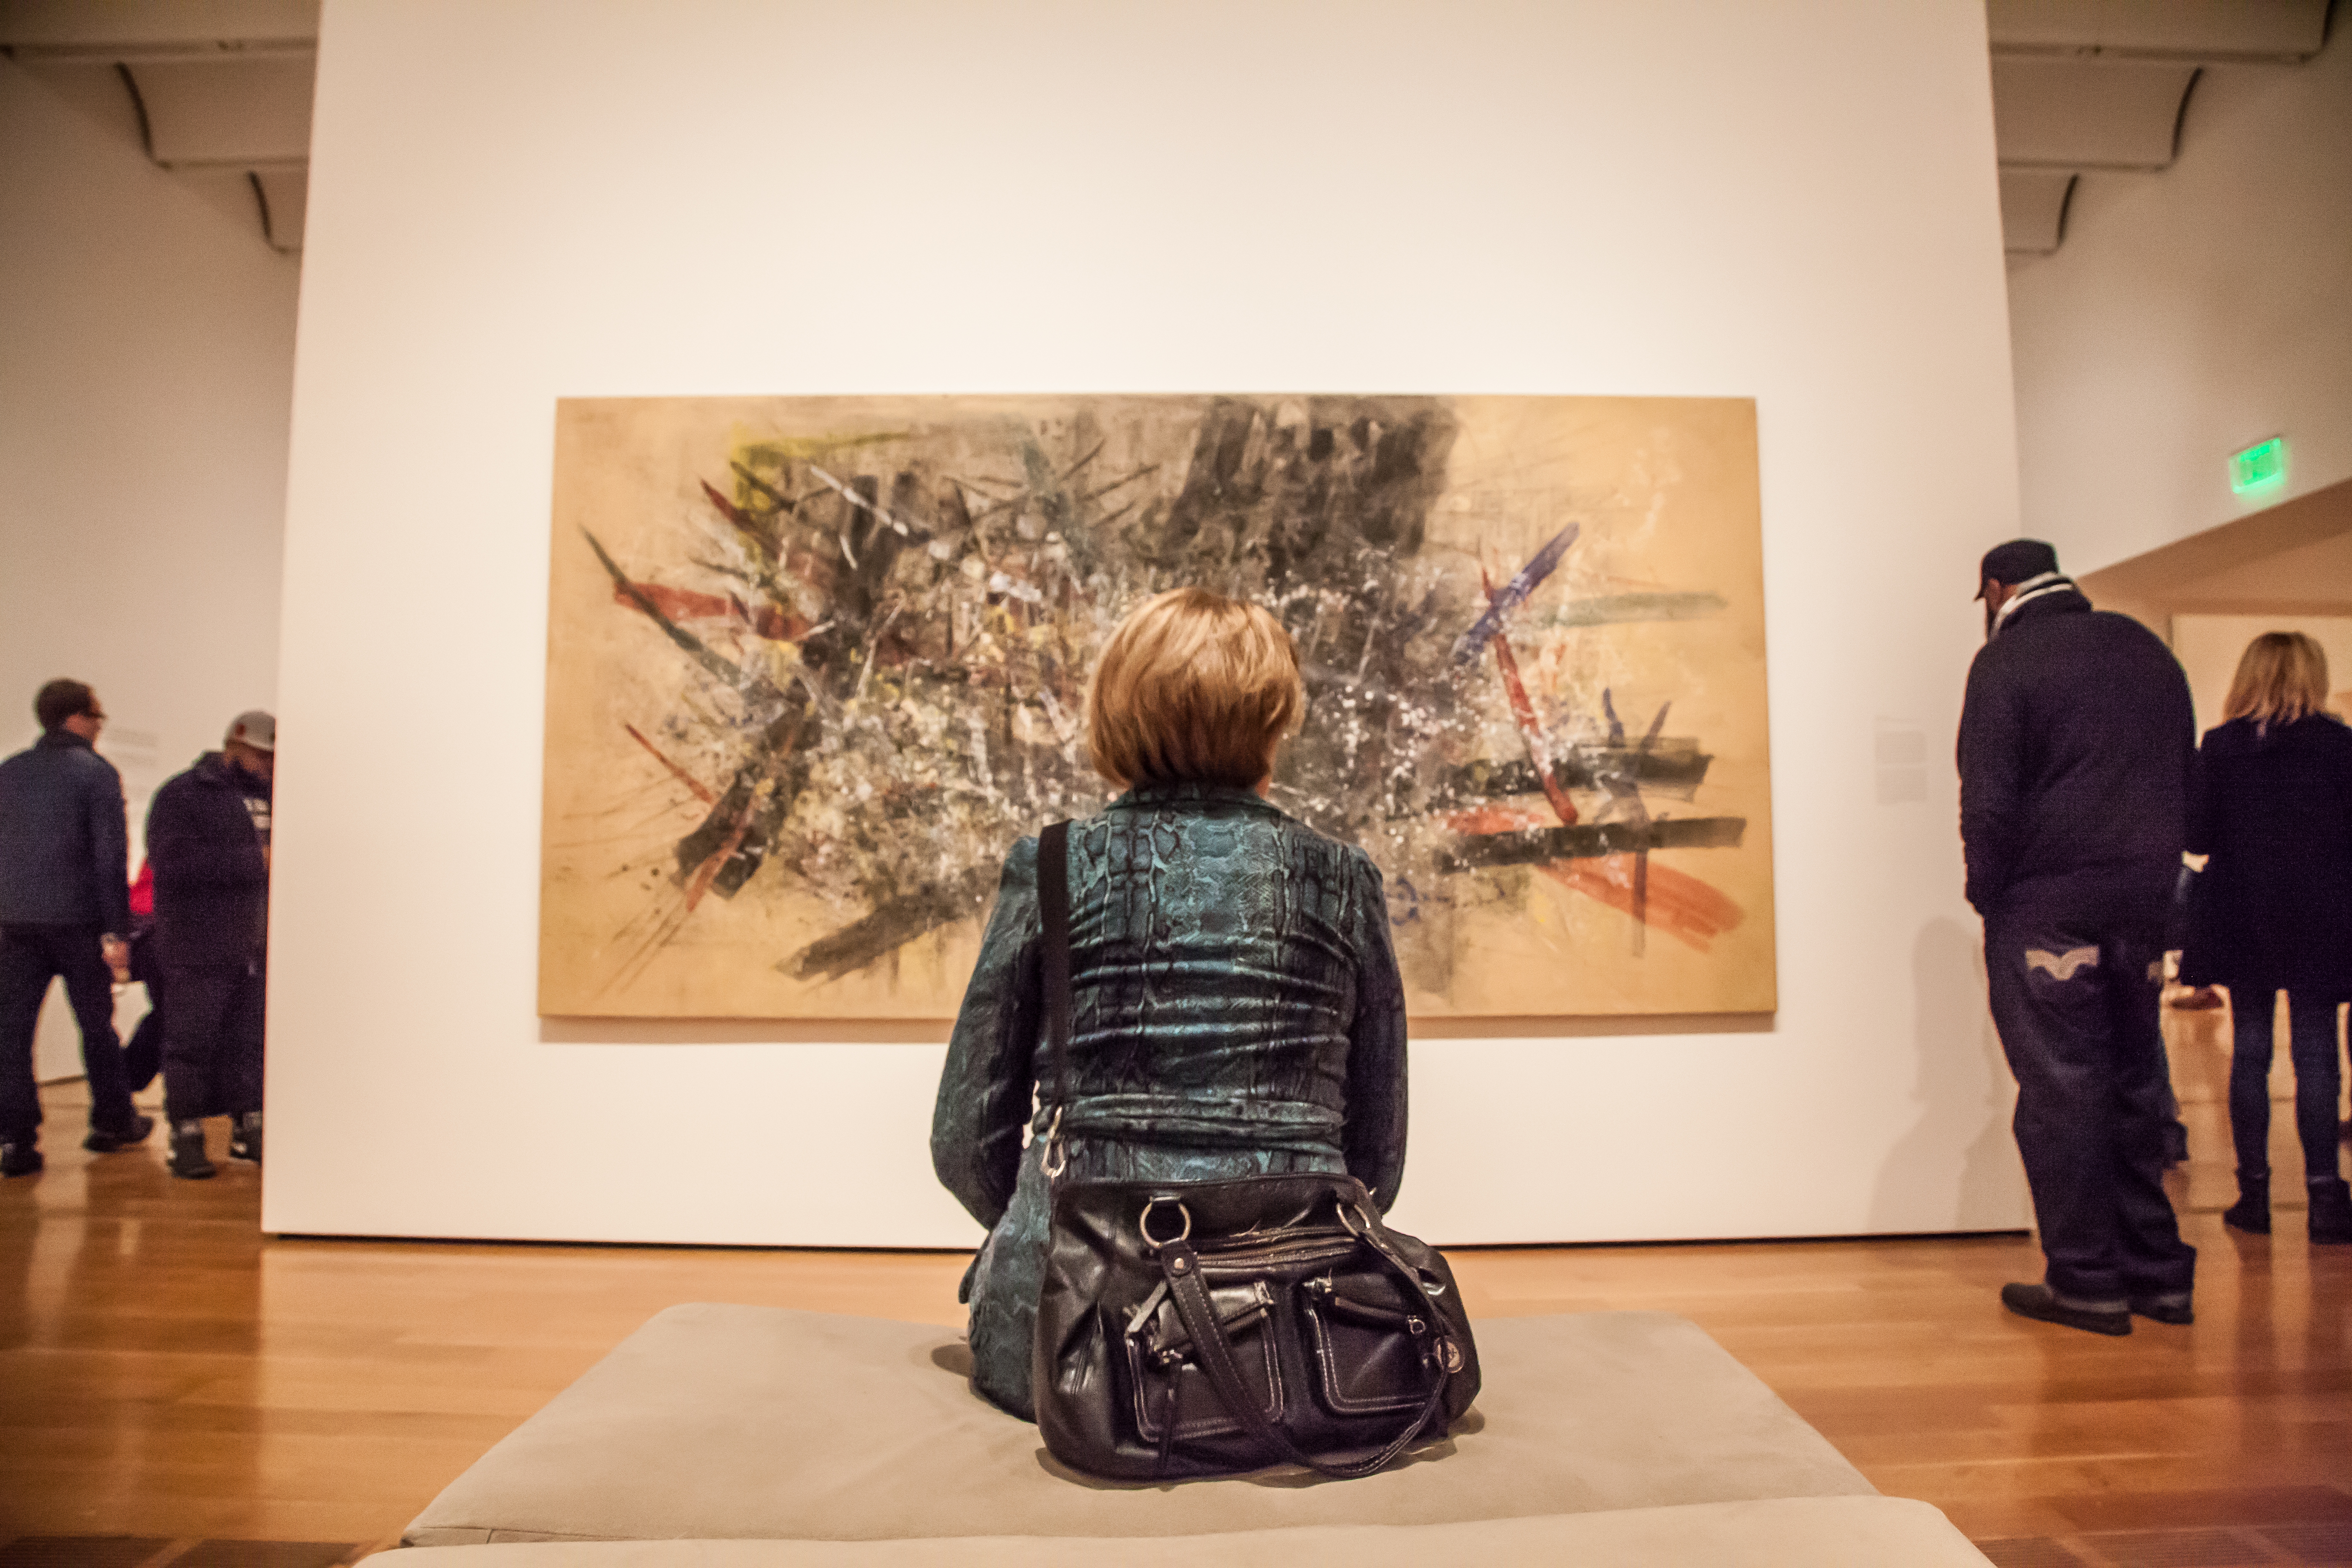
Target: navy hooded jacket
64	839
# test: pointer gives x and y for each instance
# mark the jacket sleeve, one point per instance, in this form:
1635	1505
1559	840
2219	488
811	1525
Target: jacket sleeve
990	1077
1992	782
110	846
1371	1139
2203	817
186	854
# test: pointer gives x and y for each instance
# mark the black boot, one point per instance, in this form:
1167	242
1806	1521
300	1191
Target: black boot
2331	1210
187	1159
106	1141
245	1136
20	1157
2251	1212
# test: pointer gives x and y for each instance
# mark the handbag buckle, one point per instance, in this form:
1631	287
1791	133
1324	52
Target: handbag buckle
1143	1222
1056	1158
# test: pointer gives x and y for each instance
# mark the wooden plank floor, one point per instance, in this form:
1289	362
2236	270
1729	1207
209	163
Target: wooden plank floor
168	1374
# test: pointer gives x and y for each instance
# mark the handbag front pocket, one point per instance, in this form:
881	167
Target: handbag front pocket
1369	1346
1163	1365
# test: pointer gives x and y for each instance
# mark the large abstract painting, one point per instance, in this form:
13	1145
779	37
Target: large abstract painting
813	664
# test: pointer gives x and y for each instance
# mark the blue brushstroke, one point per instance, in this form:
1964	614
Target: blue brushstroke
1515	593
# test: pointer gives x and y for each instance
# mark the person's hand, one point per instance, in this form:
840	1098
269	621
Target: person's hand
117	958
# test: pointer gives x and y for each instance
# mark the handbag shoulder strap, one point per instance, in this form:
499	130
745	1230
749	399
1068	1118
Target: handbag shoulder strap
1054	905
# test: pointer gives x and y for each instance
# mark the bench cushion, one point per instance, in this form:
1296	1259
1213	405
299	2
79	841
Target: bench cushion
1821	1532
729	1422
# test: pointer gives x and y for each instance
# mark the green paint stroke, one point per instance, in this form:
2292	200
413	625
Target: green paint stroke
1617	608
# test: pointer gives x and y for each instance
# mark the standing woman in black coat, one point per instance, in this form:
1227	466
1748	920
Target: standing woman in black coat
2273	912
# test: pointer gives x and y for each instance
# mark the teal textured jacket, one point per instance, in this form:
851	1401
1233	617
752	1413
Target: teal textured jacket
1236	1011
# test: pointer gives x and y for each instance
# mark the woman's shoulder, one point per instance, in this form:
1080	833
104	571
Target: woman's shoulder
2231	735
1021	863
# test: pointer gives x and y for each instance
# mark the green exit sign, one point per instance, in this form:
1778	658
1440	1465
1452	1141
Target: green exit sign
2259	467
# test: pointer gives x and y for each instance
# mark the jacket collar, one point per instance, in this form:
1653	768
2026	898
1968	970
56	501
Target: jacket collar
1156	796
62	740
2049	593
213	768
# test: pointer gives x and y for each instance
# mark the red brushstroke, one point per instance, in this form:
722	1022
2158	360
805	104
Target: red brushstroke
1539	750
708	872
727	509
686	605
702	791
1498	819
1692	911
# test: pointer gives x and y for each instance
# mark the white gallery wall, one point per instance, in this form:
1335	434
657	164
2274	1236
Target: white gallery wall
146	371
514	201
2190	313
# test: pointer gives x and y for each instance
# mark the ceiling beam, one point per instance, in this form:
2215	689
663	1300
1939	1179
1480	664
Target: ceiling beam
156	29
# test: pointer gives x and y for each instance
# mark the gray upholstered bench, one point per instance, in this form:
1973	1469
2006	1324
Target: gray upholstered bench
1819	1533
752	1423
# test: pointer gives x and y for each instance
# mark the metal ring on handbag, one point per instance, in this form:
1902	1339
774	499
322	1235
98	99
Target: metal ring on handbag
1056	1157
1143	1223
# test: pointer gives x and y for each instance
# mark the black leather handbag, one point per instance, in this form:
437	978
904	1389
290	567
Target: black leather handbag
1205	1328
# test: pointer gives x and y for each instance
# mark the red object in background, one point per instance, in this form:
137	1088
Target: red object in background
143	891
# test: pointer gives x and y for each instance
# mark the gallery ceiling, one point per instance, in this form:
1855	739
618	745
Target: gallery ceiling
2101	88
219	91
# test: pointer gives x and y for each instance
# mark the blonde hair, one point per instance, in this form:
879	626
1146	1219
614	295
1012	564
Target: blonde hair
1193	688
2282	677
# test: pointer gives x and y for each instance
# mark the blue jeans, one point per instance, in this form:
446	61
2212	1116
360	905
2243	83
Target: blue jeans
2311	1047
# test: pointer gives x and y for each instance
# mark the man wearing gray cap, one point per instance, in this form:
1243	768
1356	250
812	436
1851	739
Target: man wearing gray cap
2076	741
208	840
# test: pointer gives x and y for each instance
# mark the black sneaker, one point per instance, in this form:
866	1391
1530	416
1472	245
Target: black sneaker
22	1159
187	1159
102	1141
2044	1305
2173	1306
245	1137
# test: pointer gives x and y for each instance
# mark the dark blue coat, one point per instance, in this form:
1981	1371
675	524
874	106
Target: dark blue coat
2076	742
64	850
1236	1011
2273	907
212	885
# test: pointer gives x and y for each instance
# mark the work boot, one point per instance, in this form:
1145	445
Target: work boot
104	1141
245	1137
2331	1210
2251	1212
20	1158
187	1159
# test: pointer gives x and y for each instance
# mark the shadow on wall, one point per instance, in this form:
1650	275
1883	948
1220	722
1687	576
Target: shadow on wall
1959	1160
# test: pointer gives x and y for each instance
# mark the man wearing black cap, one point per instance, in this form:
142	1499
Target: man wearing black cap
2076	745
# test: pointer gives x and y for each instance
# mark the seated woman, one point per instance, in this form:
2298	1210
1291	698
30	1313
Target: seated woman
1235	1004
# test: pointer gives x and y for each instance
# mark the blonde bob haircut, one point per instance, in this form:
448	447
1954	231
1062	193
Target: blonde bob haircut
2282	677
1193	688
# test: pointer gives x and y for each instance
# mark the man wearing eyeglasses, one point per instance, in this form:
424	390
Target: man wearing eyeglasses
65	908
